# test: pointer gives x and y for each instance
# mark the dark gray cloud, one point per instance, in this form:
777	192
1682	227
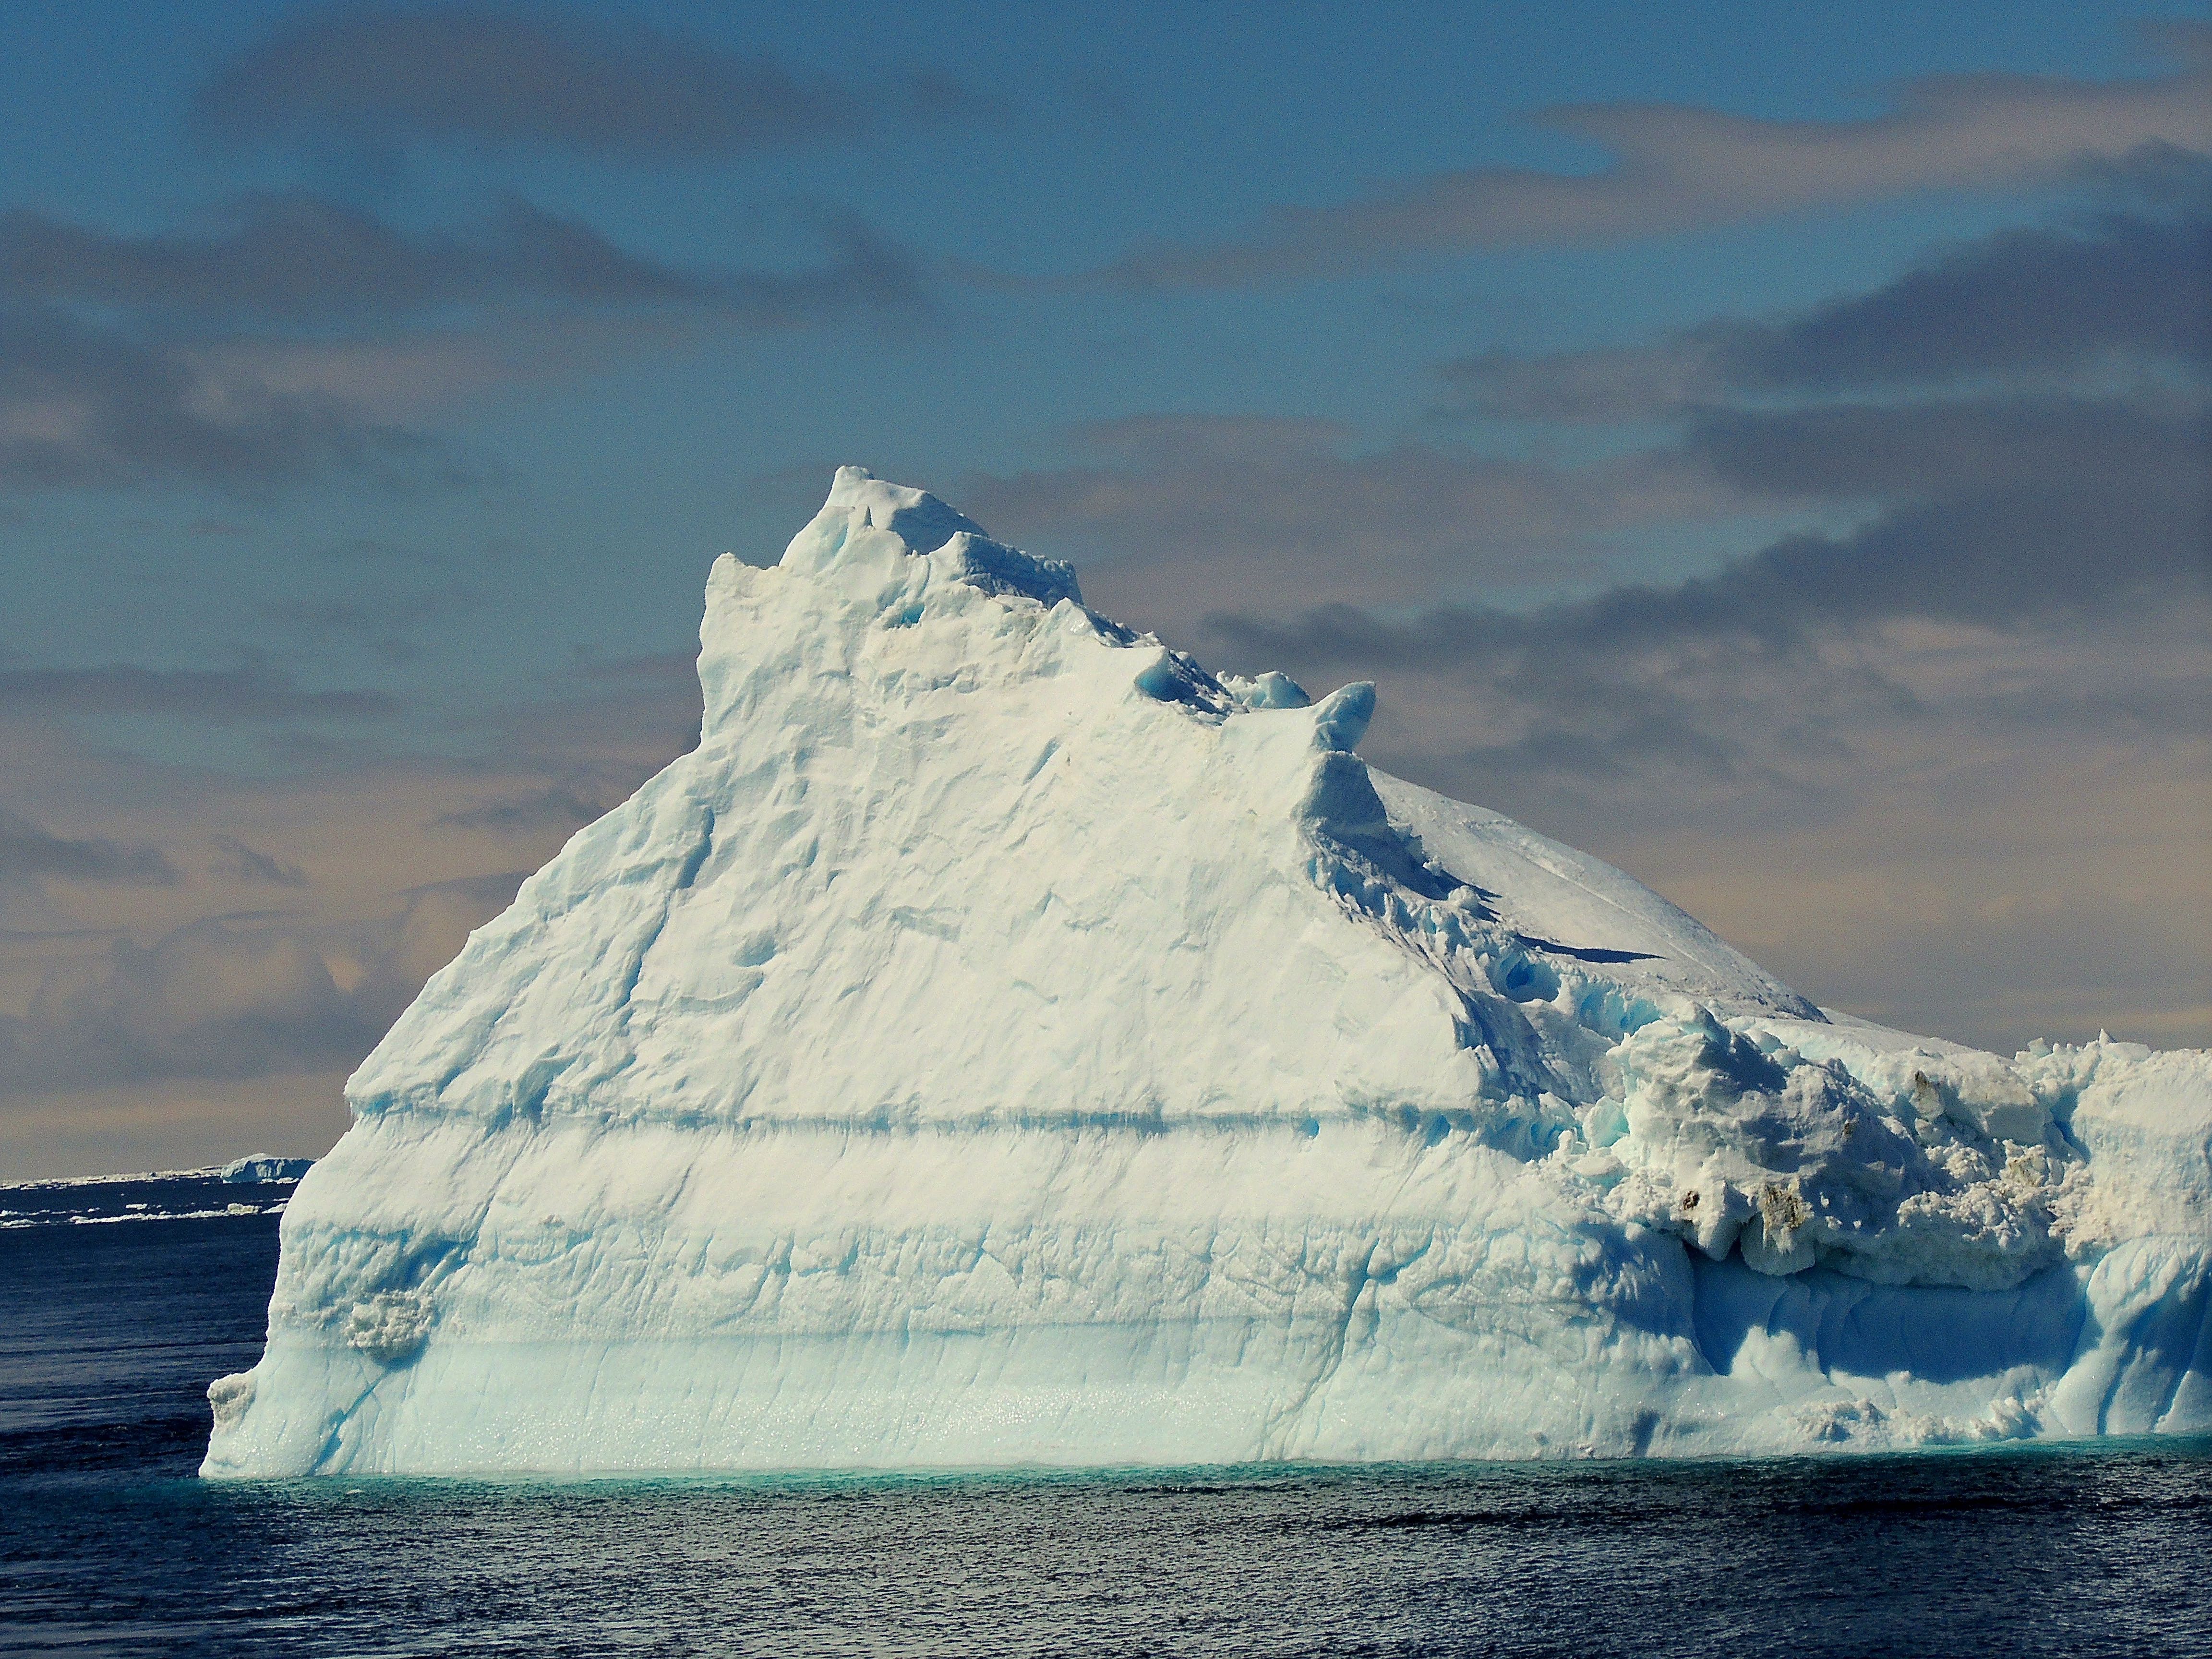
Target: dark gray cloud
2016	424
30	854
547	76
1196	510
238	862
245	355
1789	638
82	404
253	692
1677	168
563	807
1978	508
2035	299
2035	302
1999	510
1997	516
296	258
1954	447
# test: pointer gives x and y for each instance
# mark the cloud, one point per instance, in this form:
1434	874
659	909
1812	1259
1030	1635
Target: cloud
2037	303
564	807
251	691
1993	515
30	854
240	863
1968	508
216	998
1794	640
238	996
1196	510
2006	432
384	623
294	259
549	75
253	353
2040	300
130	1016
299	258
82	405
2138	472
1675	168
1993	509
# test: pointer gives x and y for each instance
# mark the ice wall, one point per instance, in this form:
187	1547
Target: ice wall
1000	1042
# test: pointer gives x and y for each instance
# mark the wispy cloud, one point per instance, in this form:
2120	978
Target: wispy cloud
300	259
28	853
240	863
231	997
1674	167
253	692
305	907
547	76
2059	303
1197	511
564	807
82	404
256	351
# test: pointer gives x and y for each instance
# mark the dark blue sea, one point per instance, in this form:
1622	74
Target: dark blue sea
108	1545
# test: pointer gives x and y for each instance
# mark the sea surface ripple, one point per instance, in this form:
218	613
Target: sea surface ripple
108	1545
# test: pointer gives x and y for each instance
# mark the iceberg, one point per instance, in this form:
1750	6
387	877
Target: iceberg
264	1167
1001	1042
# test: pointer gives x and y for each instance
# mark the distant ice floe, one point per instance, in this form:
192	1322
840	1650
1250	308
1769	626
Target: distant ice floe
1001	1042
155	1195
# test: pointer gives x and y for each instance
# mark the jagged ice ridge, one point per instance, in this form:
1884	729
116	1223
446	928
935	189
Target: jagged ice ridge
1000	1042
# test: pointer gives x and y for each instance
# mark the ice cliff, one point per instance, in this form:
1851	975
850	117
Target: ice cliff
1001	1042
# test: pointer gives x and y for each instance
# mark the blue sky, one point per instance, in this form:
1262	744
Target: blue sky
1765	448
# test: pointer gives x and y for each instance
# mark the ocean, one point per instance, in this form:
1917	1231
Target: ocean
110	1330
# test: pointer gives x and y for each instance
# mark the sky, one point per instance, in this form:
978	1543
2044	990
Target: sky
1764	446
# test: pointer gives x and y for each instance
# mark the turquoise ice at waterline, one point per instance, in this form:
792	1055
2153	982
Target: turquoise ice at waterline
1003	1043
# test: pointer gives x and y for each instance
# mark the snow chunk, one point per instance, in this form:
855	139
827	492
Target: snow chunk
1741	1142
389	1325
1268	690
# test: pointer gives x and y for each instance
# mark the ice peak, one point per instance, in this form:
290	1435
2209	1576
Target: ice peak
869	527
860	499
1340	718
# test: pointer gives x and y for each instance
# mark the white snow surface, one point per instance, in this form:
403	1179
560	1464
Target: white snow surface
1000	1042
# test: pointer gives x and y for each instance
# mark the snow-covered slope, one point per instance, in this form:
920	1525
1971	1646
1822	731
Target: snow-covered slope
1000	1042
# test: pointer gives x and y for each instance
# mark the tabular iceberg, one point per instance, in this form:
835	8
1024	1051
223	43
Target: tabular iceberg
1002	1043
